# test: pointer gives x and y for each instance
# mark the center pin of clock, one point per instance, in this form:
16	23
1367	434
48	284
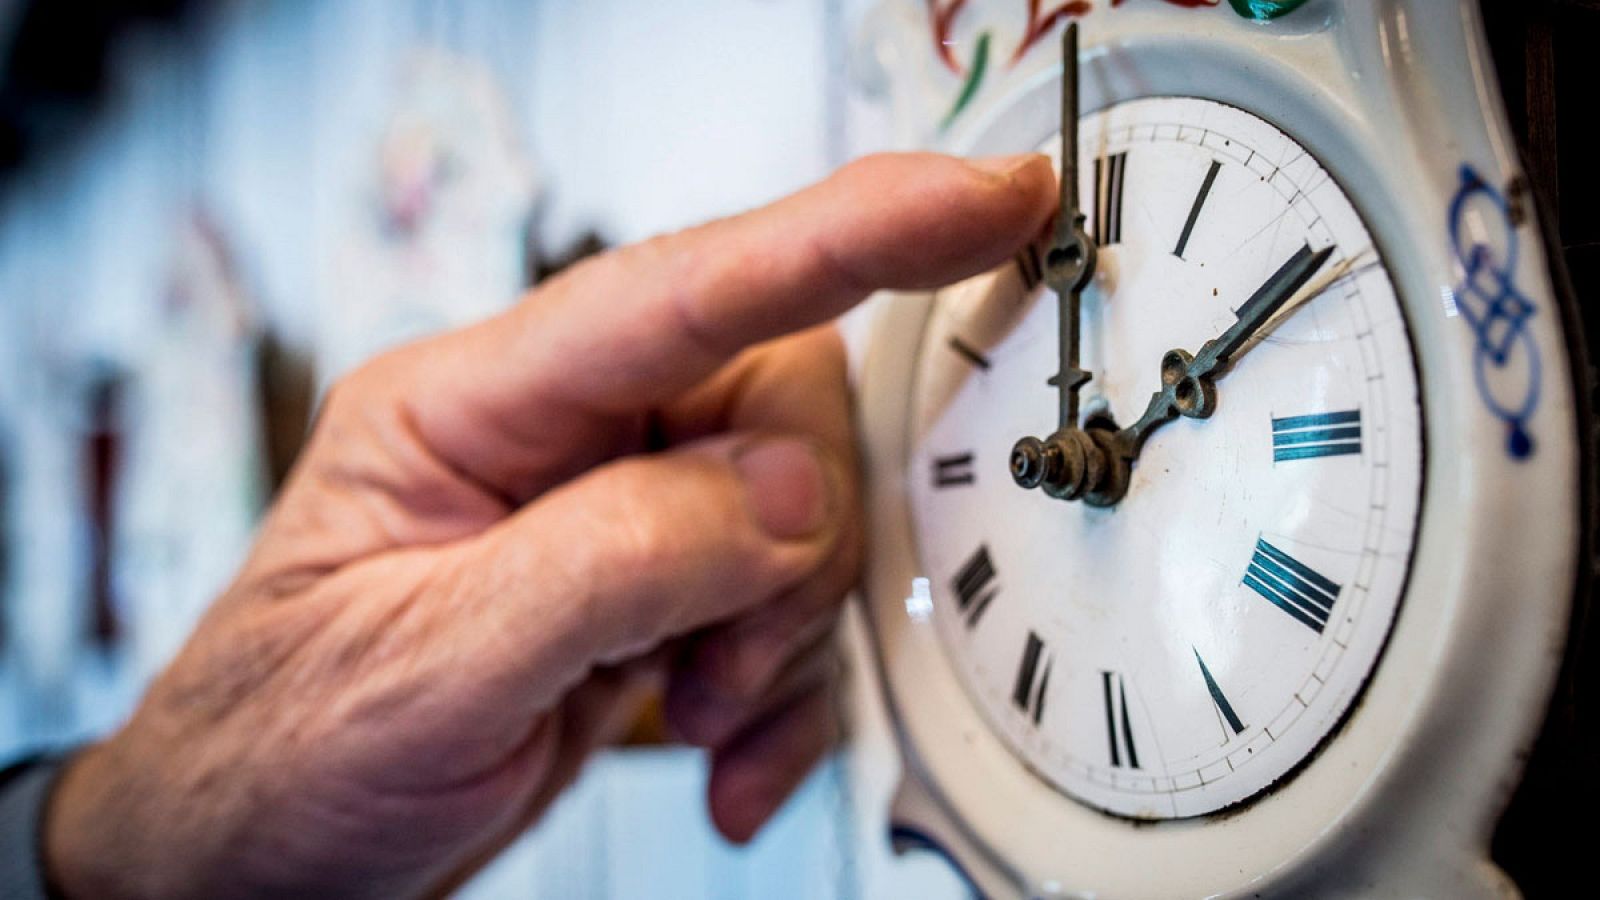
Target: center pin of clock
1064	465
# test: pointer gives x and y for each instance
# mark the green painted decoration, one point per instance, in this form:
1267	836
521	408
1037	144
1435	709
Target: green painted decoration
980	64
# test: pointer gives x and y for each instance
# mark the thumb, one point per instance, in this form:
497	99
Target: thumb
643	549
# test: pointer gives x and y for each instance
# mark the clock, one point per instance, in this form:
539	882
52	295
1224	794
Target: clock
1225	540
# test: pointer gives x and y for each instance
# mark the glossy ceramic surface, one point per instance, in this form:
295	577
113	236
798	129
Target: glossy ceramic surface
1395	100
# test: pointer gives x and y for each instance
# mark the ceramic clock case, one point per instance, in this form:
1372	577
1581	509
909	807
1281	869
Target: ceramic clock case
1397	101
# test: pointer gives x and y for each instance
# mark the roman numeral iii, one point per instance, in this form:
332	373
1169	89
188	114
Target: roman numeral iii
974	585
1313	436
1108	177
1118	725
1032	679
1291	586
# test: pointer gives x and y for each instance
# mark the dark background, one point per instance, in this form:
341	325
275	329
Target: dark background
1547	53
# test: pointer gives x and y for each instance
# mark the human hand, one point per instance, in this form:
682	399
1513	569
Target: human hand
496	538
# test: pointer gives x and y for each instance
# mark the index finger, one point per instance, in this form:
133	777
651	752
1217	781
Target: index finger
625	332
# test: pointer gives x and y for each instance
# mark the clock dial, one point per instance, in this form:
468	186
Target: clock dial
1191	644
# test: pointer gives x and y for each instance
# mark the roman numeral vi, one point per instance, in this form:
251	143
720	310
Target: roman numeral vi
1119	728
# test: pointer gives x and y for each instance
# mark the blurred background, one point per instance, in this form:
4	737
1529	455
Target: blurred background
209	209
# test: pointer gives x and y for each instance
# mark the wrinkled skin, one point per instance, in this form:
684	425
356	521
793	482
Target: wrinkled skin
642	476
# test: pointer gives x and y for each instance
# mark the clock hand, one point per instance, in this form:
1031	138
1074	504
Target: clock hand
1348	267
1069	263
1067	461
1187	380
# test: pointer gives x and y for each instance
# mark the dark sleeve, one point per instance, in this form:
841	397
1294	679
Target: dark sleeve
24	788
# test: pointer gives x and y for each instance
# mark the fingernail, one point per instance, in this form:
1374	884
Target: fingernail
787	488
1004	166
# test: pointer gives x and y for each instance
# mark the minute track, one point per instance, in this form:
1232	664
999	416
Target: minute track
1127	590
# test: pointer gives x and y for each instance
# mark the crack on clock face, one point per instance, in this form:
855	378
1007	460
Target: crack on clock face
1336	436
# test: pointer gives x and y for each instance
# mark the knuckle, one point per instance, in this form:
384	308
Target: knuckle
869	168
362	387
644	542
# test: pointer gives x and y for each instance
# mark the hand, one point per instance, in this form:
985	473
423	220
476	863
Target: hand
1187	380
499	537
1069	263
1094	463
1060	463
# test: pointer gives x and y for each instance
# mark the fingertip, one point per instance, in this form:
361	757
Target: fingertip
1026	179
1005	168
937	219
754	776
741	800
787	485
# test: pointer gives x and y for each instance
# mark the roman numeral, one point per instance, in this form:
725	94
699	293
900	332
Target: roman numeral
1291	585
1118	727
1194	211
1224	709
1032	680
974	585
951	471
1030	268
1108	177
1322	434
968	352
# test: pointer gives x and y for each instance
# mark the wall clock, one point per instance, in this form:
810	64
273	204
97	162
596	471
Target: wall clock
1226	540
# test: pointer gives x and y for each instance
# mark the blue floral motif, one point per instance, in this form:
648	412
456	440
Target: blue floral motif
1506	362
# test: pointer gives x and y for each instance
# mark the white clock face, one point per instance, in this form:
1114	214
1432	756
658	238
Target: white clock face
1182	650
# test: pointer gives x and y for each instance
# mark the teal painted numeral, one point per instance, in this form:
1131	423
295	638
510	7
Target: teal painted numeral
1292	586
1318	435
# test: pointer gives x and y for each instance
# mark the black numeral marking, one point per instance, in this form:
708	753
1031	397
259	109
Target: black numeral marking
1291	585
1224	709
969	353
1322	434
1194	211
1029	267
1108	177
953	471
1118	727
974	585
1032	679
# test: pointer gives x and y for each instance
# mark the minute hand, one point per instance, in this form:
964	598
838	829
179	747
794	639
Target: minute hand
1070	261
1186	381
1256	311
